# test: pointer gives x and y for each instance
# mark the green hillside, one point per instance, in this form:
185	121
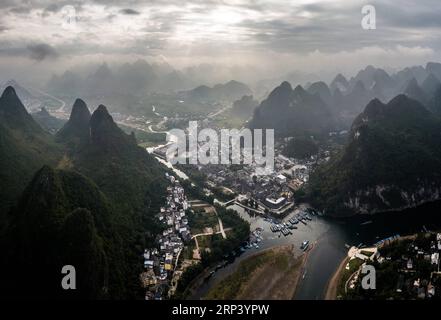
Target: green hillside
87	197
391	161
24	148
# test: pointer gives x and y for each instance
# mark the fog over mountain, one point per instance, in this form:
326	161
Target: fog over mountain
344	99
214	41
220	150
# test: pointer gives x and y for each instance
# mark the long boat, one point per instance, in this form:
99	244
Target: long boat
305	245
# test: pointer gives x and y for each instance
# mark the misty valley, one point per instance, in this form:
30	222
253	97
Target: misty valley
221	151
84	185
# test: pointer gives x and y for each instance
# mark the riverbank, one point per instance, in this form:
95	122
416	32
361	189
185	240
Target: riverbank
335	281
330	238
333	284
272	274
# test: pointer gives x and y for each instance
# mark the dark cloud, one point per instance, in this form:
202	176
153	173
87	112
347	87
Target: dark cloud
20	9
110	17
335	26
7	3
129	11
226	31
41	51
53	7
313	7
424	15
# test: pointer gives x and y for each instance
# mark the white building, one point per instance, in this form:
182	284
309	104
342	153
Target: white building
281	179
435	258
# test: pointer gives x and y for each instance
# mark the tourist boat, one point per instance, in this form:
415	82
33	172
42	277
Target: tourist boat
305	245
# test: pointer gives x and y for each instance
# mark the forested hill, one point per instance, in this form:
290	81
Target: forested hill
391	161
86	196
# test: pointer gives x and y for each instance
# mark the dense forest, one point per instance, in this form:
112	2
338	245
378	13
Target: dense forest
89	191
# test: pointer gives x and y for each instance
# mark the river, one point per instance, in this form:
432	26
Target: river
330	237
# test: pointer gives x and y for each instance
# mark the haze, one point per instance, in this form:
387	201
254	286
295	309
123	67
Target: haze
244	40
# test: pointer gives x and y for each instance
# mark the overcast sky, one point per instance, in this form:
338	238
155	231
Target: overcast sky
266	37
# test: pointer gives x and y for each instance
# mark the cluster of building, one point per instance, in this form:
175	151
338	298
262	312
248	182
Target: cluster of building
417	265
273	192
160	262
411	278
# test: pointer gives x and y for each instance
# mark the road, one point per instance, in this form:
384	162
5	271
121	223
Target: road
221	227
62	103
195	237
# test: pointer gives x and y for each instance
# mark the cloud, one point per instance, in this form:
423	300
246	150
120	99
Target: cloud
129	11
274	35
41	51
20	10
53	7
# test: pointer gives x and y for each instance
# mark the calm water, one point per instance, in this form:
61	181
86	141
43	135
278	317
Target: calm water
330	237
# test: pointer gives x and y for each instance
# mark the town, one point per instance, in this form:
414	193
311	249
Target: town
160	262
271	194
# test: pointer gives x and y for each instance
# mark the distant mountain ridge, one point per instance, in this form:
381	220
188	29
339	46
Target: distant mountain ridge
137	78
291	112
20	90
47	121
347	98
230	91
